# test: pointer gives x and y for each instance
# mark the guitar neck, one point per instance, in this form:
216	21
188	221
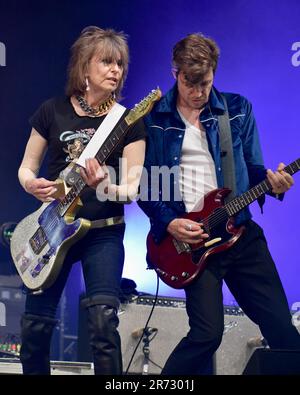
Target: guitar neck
105	150
239	203
112	141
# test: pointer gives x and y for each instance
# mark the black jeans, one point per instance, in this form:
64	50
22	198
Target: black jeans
250	273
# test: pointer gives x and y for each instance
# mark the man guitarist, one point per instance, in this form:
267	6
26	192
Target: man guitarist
63	126
183	132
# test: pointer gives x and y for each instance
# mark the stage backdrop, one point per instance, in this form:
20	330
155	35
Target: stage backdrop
260	58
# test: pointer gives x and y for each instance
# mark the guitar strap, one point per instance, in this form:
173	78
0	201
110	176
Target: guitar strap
101	133
71	173
227	160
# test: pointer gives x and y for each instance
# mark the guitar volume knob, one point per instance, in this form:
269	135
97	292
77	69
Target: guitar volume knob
185	274
174	278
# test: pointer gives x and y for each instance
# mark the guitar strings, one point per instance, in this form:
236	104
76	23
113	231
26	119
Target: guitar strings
216	218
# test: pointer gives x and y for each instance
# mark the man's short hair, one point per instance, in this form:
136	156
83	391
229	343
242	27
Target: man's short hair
195	55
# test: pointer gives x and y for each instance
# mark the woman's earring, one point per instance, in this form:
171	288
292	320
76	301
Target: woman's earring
87	84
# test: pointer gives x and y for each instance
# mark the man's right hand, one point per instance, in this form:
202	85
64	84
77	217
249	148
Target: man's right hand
41	188
187	230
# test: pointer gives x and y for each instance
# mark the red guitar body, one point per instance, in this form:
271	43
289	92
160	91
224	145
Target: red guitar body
178	263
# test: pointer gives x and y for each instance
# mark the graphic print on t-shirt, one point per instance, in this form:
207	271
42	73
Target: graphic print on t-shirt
76	142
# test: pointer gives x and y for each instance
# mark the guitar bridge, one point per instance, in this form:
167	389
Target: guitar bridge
181	246
42	262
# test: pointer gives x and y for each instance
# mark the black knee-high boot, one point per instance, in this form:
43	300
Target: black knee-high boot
36	332
104	337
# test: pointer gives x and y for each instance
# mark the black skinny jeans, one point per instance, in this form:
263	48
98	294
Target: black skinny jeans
250	273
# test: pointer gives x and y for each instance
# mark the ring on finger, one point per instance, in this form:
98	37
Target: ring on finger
188	226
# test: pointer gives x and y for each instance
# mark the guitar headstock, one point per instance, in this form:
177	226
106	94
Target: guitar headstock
143	107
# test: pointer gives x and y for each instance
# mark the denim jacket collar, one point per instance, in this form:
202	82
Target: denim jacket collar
168	103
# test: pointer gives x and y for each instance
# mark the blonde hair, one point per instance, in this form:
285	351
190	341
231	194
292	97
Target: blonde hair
93	40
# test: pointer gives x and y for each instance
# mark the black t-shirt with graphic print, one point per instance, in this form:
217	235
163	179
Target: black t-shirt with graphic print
67	135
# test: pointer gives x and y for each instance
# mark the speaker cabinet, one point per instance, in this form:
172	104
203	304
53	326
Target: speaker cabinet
12	305
169	319
169	323
273	362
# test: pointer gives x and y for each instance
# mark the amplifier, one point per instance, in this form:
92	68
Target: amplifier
13	366
273	362
240	338
168	324
12	304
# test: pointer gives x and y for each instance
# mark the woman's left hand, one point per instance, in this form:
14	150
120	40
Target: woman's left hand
93	173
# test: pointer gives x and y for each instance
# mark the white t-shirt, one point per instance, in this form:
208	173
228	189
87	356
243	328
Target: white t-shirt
197	174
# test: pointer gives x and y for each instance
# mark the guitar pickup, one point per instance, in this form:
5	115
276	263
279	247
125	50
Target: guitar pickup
181	246
38	241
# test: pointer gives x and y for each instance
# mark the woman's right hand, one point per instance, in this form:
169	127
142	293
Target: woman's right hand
41	188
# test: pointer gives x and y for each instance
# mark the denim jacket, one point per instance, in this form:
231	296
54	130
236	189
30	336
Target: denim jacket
164	144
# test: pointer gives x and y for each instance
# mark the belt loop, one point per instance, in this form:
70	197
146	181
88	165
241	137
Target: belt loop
101	223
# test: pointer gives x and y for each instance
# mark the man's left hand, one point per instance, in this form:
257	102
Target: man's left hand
280	180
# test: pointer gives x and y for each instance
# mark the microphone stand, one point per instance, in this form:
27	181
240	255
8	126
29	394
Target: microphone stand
146	352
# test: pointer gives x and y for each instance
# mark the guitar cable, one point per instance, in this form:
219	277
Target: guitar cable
145	328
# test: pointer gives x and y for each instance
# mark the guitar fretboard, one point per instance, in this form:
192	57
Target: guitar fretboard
112	141
240	202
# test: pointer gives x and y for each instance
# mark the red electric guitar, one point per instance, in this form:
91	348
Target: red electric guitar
178	263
